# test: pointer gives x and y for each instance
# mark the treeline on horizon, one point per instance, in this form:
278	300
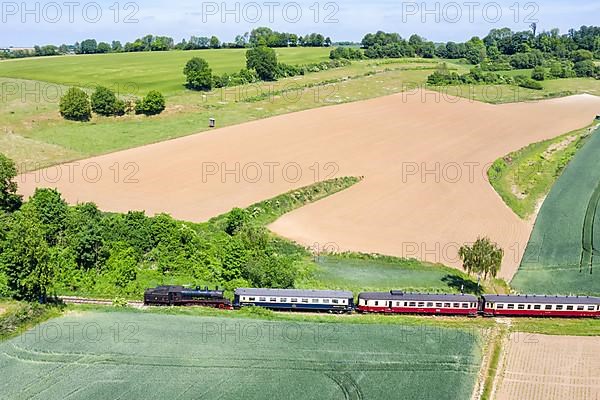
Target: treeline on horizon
498	43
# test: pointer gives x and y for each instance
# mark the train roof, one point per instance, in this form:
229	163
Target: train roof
399	295
295	293
526	299
182	289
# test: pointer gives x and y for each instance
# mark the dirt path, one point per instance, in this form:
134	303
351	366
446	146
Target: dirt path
424	158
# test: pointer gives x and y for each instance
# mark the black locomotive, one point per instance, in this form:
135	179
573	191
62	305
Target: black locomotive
182	296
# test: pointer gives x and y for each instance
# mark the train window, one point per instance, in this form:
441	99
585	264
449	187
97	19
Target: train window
456	305
529	306
549	307
376	303
273	299
465	305
580	308
294	300
252	299
438	305
590	308
421	304
511	307
537	307
397	304
429	304
559	307
305	300
447	305
412	304
570	308
521	306
405	304
283	300
500	306
325	301
262	299
315	300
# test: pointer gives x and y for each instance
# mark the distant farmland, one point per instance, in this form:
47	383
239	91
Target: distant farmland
563	255
145	71
110	355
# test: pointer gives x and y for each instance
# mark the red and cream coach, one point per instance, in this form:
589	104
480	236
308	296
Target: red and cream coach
540	306
414	303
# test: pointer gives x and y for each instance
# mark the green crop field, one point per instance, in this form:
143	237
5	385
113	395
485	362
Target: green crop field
386	273
112	355
141	71
563	254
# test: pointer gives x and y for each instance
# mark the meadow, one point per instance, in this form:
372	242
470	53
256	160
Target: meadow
378	273
523	178
141	72
565	260
102	355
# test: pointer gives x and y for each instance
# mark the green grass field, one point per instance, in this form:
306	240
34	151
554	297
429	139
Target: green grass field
386	273
109	355
563	255
140	72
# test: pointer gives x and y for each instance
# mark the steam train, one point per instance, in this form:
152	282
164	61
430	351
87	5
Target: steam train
181	296
393	302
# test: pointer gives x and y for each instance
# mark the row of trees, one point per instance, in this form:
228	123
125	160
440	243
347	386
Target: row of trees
47	246
76	105
261	64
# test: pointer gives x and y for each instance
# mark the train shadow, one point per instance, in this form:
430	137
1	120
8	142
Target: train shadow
464	285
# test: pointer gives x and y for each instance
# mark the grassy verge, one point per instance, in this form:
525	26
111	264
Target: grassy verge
492	367
267	211
523	178
19	317
557	327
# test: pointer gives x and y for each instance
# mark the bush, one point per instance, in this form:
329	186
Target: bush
75	105
538	74
152	104
106	103
528	83
263	60
198	74
347	53
584	69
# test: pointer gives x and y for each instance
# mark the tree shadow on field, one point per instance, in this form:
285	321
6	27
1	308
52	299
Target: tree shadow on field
457	282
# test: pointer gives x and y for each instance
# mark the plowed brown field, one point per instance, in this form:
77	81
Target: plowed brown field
539	367
424	158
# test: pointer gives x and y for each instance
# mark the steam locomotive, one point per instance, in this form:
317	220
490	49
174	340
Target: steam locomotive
181	296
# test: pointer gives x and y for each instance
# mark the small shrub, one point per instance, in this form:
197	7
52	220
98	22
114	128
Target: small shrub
538	74
106	103
153	104
75	105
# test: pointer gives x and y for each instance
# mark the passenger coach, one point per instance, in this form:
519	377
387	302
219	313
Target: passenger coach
540	306
414	303
295	300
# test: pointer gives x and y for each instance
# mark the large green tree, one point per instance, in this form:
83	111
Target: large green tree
198	74
25	257
263	60
9	199
482	258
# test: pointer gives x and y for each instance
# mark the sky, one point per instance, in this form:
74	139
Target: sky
26	23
